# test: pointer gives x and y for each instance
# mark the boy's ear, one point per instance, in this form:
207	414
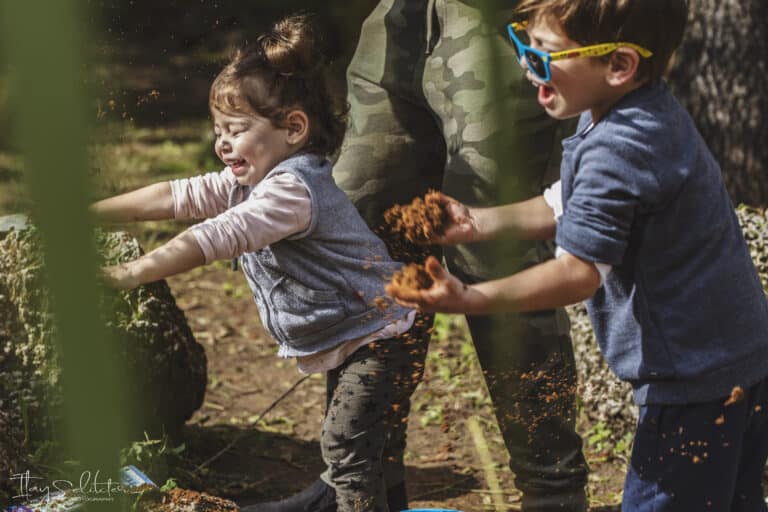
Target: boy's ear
622	67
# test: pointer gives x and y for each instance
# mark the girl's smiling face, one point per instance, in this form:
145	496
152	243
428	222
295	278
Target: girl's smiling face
249	144
576	85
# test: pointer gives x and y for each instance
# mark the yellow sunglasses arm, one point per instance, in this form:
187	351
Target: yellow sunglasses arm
598	50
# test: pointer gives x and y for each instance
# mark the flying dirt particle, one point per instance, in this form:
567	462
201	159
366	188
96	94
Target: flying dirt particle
737	395
381	303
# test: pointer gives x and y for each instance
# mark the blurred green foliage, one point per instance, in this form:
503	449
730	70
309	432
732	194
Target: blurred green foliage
50	129
147	72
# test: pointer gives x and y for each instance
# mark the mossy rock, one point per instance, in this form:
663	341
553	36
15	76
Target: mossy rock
166	364
607	400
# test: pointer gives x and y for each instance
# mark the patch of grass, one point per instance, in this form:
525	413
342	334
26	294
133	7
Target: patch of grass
124	157
131	163
236	289
432	415
454	376
598	436
601	442
155	457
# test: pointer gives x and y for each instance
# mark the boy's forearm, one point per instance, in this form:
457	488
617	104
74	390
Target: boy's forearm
153	202
554	283
532	219
180	254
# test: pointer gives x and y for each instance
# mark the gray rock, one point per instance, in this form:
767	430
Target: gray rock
167	364
16	222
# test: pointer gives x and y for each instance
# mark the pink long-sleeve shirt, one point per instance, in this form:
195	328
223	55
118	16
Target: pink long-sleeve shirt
277	208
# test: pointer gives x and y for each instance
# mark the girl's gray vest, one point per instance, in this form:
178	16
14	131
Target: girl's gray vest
316	289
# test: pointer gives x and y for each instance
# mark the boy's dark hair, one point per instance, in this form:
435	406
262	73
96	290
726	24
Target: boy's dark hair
657	25
284	69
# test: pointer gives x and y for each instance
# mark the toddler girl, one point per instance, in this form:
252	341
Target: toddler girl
313	265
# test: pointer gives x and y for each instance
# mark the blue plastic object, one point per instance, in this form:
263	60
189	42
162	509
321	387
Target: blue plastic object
430	510
131	476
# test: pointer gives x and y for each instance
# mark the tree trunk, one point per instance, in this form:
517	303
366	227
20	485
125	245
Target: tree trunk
720	74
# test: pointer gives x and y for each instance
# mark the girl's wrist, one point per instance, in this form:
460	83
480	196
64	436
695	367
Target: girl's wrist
127	275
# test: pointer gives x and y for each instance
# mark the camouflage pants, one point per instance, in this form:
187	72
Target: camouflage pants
363	434
438	101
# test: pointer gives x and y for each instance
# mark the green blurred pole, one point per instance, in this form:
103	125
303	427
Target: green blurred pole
508	152
44	43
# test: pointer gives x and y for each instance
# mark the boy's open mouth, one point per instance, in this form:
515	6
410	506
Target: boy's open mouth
546	93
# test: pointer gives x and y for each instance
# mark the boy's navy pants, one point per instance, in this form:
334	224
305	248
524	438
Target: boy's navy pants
700	457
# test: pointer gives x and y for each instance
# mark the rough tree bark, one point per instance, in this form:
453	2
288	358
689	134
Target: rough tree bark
721	76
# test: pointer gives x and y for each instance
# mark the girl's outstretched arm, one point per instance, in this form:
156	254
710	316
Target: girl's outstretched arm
554	283
153	202
180	254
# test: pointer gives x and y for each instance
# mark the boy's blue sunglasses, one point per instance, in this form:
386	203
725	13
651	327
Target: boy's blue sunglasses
538	61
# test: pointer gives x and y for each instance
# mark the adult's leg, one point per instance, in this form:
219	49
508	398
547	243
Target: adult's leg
700	457
500	146
368	391
528	367
393	151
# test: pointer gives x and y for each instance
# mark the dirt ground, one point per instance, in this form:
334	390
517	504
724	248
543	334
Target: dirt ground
153	64
154	70
450	463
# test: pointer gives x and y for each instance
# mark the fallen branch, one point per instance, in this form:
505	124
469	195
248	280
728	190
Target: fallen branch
241	434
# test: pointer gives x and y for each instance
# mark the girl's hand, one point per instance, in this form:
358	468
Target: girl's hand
462	227
447	294
119	277
179	254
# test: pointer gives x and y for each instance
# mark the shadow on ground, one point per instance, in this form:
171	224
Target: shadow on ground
262	466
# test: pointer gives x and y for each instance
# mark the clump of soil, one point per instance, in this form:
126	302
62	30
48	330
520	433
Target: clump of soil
413	276
184	500
420	221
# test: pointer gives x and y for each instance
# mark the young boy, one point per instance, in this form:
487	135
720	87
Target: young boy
648	236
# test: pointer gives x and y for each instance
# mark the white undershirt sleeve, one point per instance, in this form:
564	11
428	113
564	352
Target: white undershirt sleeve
553	196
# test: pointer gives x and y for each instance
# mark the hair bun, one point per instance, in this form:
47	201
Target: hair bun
293	46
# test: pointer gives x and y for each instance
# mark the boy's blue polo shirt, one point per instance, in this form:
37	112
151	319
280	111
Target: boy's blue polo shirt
682	316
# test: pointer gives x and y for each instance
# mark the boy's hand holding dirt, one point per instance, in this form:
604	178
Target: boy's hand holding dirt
461	226
431	289
435	219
